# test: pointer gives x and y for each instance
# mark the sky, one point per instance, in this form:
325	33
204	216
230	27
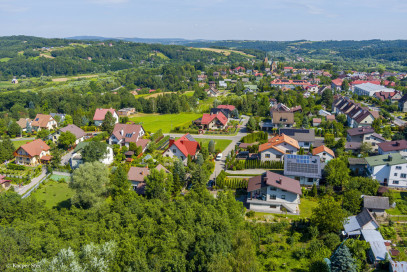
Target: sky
276	20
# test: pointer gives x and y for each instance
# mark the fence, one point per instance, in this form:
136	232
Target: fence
27	194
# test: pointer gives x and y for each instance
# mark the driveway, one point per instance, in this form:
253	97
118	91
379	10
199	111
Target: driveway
220	165
23	189
65	158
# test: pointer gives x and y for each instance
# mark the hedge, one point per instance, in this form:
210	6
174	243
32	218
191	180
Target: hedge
157	136
233	183
253	164
13	166
255	137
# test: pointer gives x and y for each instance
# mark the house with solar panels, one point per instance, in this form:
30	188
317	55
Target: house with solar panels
306	169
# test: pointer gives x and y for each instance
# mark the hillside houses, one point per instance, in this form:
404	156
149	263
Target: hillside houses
357	116
100	114
271	192
182	148
33	153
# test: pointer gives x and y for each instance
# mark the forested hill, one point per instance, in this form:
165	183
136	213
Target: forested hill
32	56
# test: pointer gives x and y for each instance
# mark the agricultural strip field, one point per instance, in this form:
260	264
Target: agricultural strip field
166	122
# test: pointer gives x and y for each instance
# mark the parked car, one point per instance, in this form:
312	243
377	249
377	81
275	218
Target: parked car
243	155
219	157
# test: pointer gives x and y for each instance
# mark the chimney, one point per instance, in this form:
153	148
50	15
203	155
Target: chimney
279	180
171	141
390	158
397	143
121	132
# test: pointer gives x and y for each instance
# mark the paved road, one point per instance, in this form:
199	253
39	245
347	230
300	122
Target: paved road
23	189
65	158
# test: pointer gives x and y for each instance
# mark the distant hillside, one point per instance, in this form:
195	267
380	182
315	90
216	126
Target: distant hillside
169	41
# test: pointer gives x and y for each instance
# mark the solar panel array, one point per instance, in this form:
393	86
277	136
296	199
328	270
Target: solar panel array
300	167
304	159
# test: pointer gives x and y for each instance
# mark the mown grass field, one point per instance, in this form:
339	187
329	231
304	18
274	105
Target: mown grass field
220	144
166	122
17	144
54	193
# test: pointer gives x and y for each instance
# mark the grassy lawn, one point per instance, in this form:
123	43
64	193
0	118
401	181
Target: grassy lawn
17	144
59	177
400	198
54	193
166	122
306	206
219	143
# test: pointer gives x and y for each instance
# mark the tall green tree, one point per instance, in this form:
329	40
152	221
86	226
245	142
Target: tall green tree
119	181
108	123
158	184
94	151
211	146
337	172
66	139
342	261
88	182
328	216
352	201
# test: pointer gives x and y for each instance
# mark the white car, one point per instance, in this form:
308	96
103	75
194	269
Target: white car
219	157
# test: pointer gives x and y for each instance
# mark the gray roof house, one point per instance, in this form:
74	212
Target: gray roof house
304	137
376	204
355	223
304	168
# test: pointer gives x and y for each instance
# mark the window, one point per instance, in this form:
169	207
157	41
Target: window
395	174
268	156
278	156
182	157
310	180
324	153
273	188
403	175
273	206
273	197
174	151
282	196
395	182
398	167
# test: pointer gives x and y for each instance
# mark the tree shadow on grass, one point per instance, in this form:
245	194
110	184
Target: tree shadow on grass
66	204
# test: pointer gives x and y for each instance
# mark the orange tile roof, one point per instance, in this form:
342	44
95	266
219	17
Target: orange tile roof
35	147
322	148
273	142
41	120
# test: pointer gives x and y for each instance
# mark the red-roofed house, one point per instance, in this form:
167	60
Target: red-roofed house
4	183
212	121
392	96
32	153
274	193
100	114
324	153
182	148
124	134
43	121
337	84
312	88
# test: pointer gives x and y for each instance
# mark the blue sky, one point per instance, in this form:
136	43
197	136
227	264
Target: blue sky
207	19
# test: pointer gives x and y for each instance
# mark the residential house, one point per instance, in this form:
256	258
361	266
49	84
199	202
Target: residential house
60	117
4	183
76	159
365	135
43	121
250	89
304	137
137	175
274	193
227	110
390	170
33	153
126	112
403	103
289	83
392	147
182	148
312	88
353	146
282	119
124	134
370	89
362	221
306	169
212	121
356	115
322	89
357	166
100	114
212	92
323	113
316	122
277	147
392	96
77	131
330	118
222	84
24	123
325	153
376	204
378	249
337	84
